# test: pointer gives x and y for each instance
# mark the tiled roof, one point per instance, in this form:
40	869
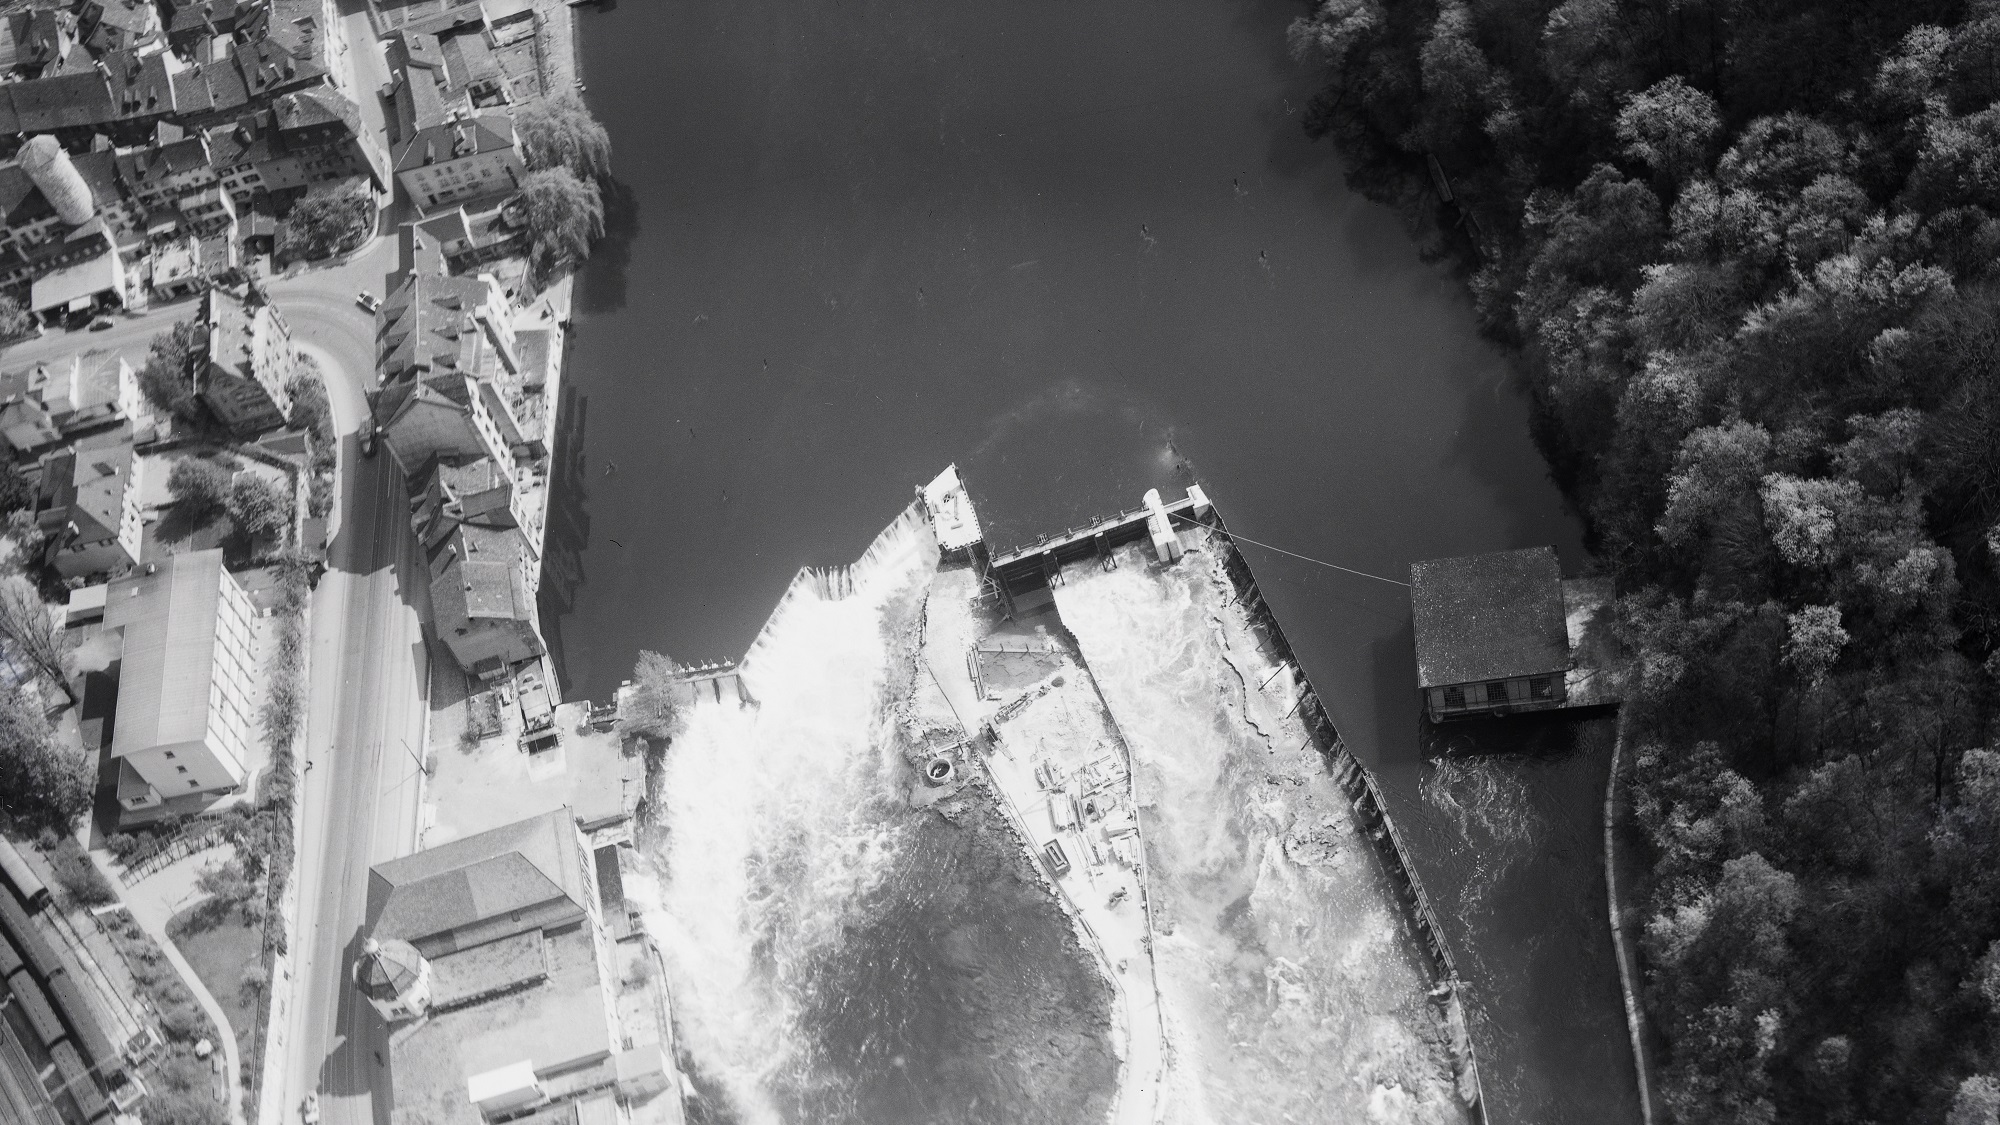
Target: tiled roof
141	168
451	140
479	578
509	869
66	101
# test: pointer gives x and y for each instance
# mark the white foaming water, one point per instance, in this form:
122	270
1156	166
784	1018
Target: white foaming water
1288	991
775	824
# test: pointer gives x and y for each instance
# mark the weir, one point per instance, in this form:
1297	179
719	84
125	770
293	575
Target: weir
1141	798
1022	579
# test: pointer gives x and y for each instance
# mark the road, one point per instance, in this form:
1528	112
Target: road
369	672
369	685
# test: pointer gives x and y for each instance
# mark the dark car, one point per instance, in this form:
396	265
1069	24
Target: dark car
100	324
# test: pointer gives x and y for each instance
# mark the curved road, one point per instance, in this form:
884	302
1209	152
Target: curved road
365	729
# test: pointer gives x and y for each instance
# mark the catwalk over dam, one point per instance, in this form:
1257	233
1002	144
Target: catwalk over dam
934	851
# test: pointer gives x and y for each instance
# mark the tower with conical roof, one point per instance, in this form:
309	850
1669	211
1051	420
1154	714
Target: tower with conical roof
395	978
51	170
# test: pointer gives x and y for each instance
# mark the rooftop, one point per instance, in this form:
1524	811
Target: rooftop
558	1025
495	781
507	870
1489	617
171	621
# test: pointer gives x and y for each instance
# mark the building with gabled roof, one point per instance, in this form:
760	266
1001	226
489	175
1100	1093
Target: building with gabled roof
462	158
438	339
492	953
482	599
529	875
186	710
87	506
249	358
118	25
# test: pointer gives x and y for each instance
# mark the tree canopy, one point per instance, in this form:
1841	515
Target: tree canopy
559	131
650	709
1750	258
564	216
259	508
167	378
202	488
42	782
327	221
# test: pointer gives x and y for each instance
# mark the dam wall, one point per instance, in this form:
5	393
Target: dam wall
1368	802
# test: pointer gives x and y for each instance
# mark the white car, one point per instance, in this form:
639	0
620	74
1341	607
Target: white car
367	301
309	1109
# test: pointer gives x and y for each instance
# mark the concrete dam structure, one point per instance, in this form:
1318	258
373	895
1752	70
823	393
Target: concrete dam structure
1066	832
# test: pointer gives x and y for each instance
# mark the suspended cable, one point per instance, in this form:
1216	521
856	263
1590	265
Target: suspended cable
1293	554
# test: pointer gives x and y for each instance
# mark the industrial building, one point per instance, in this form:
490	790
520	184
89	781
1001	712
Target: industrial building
186	712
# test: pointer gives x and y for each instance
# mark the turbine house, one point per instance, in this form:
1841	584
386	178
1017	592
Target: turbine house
1491	635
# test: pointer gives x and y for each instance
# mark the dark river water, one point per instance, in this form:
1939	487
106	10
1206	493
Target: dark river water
1079	249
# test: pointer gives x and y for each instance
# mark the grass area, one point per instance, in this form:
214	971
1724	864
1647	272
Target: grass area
228	956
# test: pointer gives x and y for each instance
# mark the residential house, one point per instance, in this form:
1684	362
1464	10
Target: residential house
483	600
186	714
85	392
105	26
250	356
43	40
498	941
438	338
462	158
467	240
87	505
305	138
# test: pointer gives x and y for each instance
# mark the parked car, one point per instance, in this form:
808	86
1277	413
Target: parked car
367	301
309	1109
368	438
100	324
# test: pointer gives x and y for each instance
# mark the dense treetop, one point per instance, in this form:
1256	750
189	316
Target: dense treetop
1746	251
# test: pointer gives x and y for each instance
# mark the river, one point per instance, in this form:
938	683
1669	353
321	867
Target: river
1079	249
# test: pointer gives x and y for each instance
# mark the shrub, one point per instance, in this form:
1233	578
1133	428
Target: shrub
183	1021
78	879
182	1107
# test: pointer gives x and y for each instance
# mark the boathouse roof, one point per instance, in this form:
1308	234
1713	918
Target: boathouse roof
1488	617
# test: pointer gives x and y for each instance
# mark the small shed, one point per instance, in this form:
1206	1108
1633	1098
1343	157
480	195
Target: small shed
1490	633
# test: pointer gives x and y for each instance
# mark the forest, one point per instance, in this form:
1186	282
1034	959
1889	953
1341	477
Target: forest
1744	252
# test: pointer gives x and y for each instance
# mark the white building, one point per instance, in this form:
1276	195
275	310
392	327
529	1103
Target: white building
186	703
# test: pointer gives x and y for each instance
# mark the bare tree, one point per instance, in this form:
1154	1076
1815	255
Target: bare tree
29	629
